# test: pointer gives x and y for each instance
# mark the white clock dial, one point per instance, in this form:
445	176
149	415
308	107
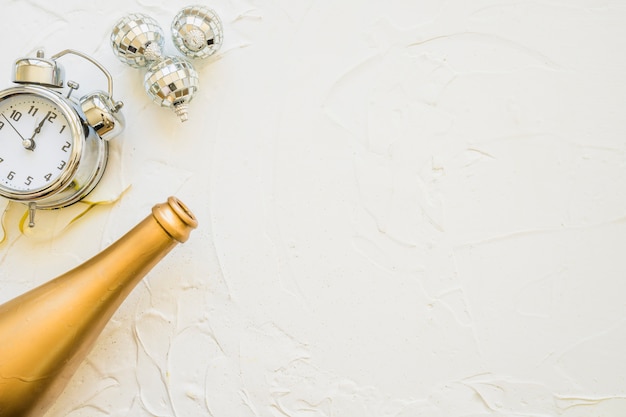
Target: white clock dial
35	142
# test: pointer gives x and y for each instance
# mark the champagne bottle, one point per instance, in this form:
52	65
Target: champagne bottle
46	332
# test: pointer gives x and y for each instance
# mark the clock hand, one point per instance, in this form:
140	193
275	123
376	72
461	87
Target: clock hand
26	143
31	141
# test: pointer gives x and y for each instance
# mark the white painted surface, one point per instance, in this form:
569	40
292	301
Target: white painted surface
407	208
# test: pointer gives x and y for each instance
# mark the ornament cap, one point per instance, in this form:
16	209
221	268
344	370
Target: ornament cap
181	110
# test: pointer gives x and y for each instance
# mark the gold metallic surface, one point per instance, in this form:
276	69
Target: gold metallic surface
46	332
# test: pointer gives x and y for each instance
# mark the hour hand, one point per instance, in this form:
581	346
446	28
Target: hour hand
30	143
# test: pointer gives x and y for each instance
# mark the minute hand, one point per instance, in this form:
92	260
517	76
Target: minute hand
27	143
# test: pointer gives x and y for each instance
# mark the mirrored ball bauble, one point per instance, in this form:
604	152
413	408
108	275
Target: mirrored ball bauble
197	31
137	40
172	83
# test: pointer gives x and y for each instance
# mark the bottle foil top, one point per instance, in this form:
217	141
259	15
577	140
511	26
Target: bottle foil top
175	218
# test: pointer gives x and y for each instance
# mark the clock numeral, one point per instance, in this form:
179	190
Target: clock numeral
11	175
15	115
33	110
60	167
66	146
48	176
1	125
29	179
52	116
1	159
60	131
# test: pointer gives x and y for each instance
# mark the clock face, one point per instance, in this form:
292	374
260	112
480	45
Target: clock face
35	142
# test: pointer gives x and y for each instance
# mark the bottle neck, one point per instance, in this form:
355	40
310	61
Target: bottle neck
115	271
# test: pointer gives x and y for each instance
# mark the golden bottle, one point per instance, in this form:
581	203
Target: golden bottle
46	332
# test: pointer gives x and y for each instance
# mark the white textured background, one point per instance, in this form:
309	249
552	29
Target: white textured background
407	208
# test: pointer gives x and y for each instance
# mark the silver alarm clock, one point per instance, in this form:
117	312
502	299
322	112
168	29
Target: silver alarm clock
53	147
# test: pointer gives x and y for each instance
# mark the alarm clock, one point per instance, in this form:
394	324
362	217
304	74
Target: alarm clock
53	147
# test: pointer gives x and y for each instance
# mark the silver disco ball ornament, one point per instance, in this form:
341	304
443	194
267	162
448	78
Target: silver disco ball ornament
137	40
197	31
172	82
